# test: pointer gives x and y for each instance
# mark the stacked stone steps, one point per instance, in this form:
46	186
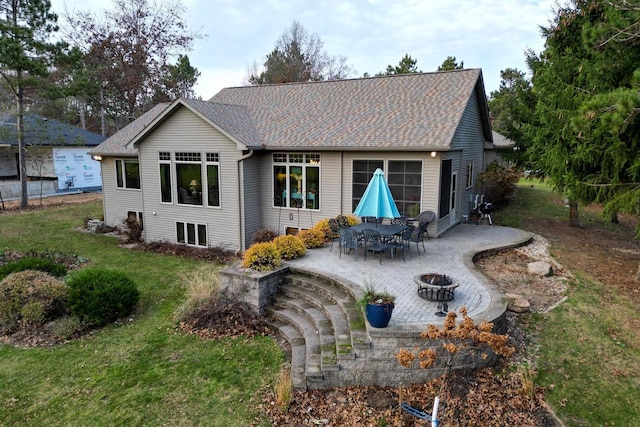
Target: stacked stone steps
320	321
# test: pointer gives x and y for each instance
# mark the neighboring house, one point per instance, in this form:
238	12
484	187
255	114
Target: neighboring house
500	144
212	173
56	155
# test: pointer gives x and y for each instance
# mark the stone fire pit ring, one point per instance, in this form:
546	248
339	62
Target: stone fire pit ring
436	287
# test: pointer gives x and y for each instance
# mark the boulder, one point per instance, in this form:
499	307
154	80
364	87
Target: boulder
540	268
95	226
517	303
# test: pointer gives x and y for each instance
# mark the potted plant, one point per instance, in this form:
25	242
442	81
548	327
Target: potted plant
378	306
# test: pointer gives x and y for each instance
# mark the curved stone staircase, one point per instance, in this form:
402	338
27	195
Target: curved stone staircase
319	318
331	343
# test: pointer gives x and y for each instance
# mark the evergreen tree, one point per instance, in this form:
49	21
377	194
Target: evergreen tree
26	55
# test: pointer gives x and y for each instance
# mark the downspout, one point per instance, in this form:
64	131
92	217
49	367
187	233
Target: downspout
241	196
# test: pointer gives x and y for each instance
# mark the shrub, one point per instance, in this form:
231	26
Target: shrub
322	226
132	229
31	298
290	247
262	257
99	296
264	235
64	327
499	183
33	263
313	238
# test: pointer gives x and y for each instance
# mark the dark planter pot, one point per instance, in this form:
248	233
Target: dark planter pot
378	315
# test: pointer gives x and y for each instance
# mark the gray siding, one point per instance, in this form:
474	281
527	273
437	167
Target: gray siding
253	203
185	131
279	219
467	146
117	201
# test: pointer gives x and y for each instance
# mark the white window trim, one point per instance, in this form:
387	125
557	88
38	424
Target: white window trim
196	226
124	174
288	163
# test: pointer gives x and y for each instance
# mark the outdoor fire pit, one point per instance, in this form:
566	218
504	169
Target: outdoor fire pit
435	287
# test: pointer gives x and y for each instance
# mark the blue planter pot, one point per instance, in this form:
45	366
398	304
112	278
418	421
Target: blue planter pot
378	316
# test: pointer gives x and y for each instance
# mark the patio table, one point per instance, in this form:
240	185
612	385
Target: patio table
388	232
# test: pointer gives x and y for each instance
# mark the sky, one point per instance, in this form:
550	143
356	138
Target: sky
371	34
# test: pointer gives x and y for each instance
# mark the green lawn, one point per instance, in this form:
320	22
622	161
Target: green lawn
141	372
589	347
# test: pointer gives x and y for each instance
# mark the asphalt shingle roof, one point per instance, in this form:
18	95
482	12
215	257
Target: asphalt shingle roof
119	143
407	111
46	132
401	112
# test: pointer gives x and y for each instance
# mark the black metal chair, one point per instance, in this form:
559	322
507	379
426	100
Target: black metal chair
426	217
416	235
334	231
373	242
349	240
343	221
400	242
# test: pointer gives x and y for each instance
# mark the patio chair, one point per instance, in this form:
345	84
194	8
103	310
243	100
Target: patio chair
416	235
343	221
349	239
334	231
373	242
399	221
427	217
400	242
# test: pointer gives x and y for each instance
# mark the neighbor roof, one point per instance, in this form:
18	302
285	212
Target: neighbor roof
46	132
402	112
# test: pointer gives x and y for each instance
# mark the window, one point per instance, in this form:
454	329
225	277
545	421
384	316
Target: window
362	173
189	178
296	180
469	174
405	182
165	176
213	179
136	216
127	174
191	234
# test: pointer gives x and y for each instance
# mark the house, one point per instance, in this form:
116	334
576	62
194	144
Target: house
57	158
501	144
212	173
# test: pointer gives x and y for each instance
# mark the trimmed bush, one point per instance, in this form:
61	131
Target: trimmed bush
312	238
290	247
132	229
99	296
262	257
31	298
33	263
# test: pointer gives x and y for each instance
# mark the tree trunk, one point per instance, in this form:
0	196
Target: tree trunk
22	147
574	220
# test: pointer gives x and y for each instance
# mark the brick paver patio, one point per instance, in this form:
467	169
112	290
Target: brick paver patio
451	254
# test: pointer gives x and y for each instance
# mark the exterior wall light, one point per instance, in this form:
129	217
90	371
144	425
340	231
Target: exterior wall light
433	154
96	158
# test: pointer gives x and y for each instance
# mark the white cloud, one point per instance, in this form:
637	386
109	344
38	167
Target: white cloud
491	34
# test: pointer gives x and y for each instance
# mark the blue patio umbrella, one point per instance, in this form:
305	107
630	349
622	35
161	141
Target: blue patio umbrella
377	200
